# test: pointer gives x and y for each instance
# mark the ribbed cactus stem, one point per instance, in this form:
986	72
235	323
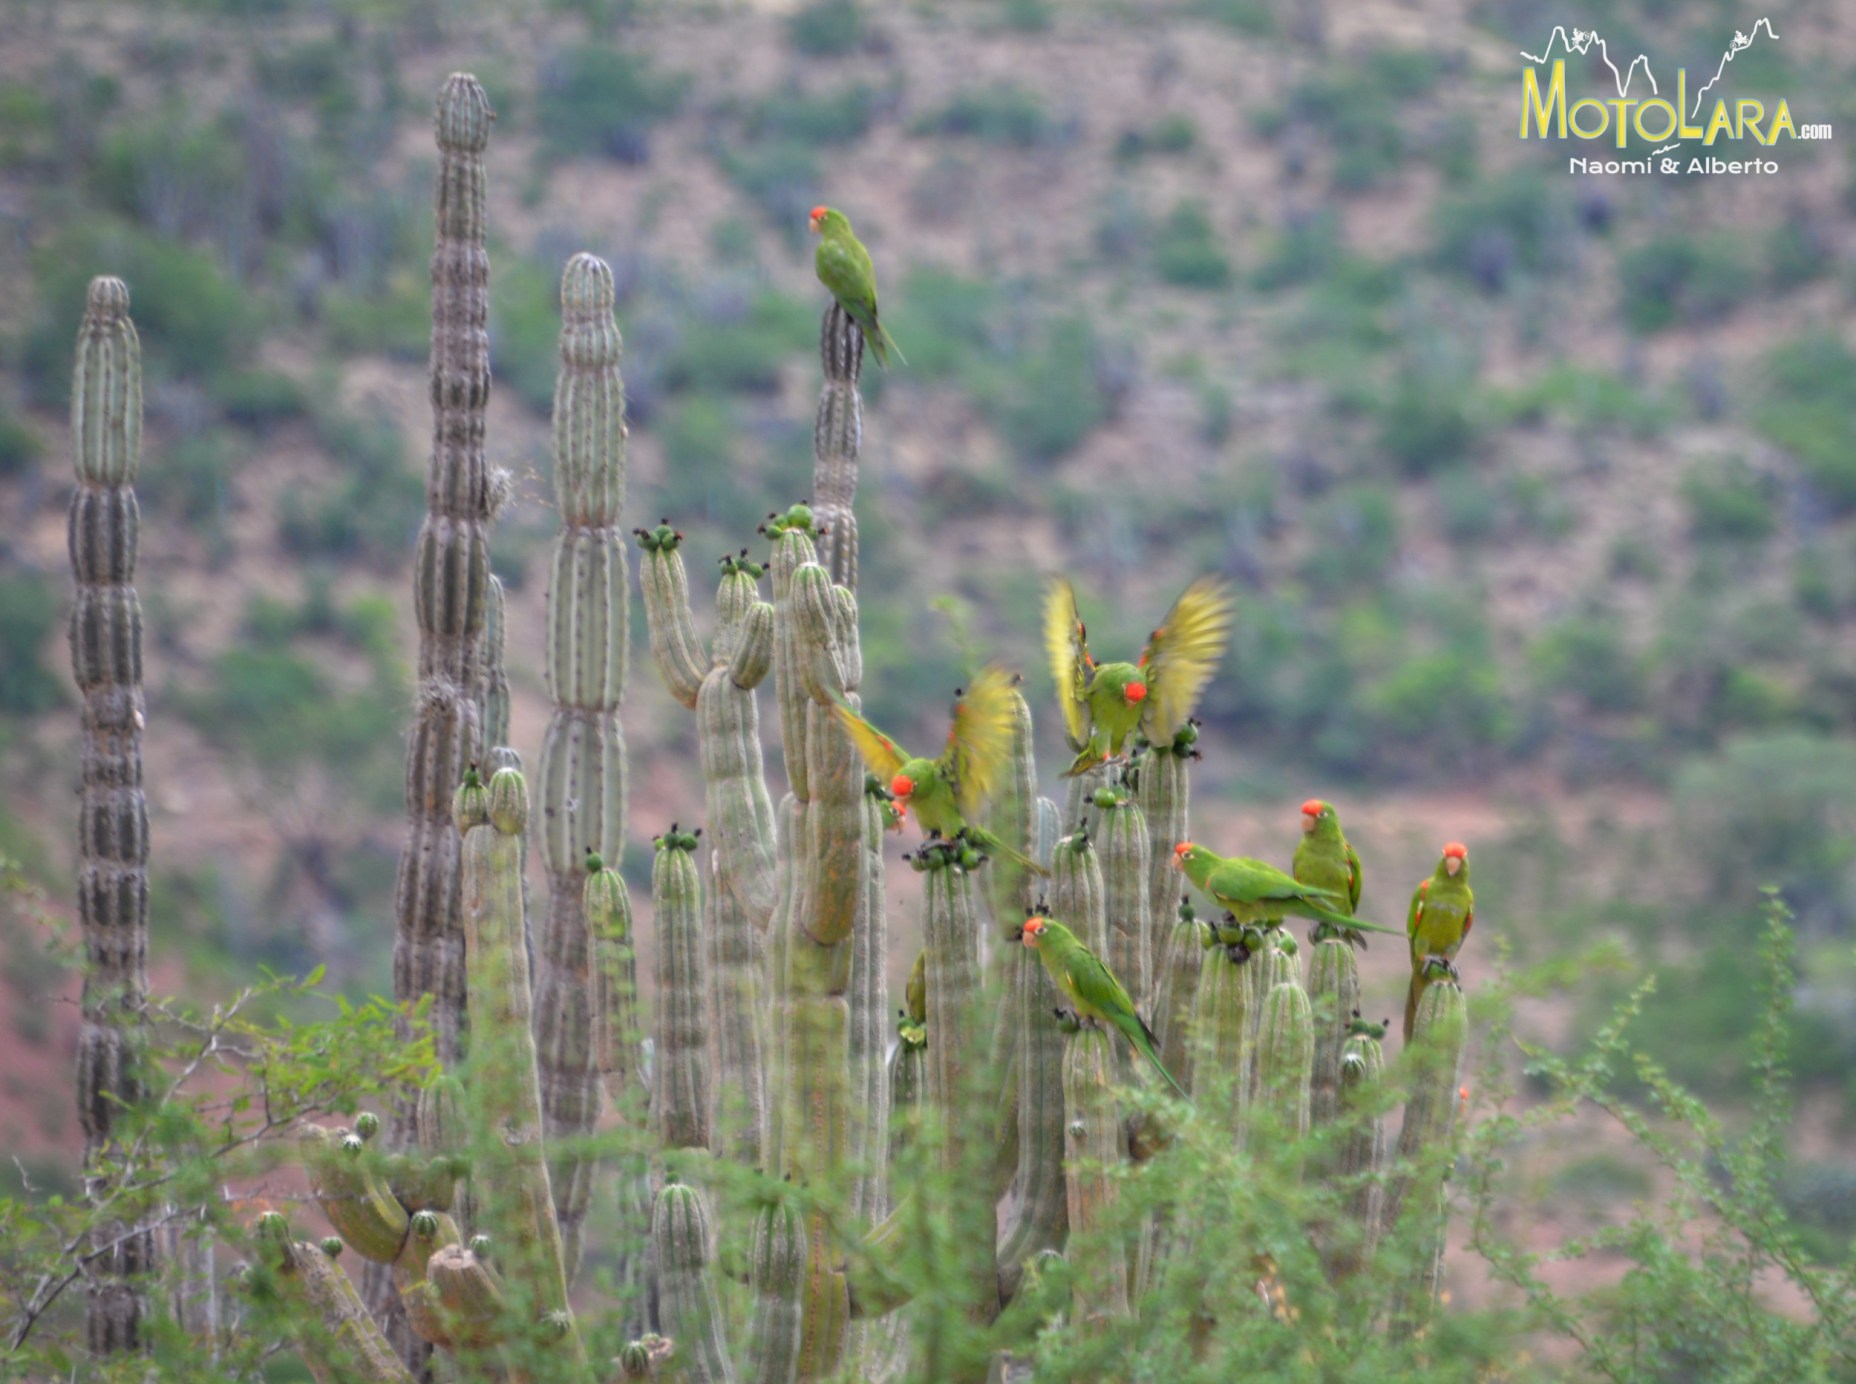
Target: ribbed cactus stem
776	1273
473	1308
353	1194
1425	1140
1038	1197
1125	858
1182	961
1360	1158
1221	1046
503	1078
681	1111
837	437
608	908
112	836
451	572
1334	995
494	713
683	1250
1079	802
1078	896
793	550
872	1024
1092	1149
1285	1058
338	1340
581	785
1010	894
1163	787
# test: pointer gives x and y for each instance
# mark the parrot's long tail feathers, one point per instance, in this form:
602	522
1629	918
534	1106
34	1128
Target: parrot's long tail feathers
885	344
1357	925
1413	993
1084	762
1147	1051
1023	861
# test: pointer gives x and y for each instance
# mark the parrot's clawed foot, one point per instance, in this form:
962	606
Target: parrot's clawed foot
1067	1020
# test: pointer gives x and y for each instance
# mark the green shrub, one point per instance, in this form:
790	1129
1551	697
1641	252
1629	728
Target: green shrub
1518	221
1000	113
1728	502
1678	279
1255	17
28	124
20	443
1300	252
1355	536
600	100
782	177
373	510
1808	408
1047	399
1188	252
394	321
190	479
1586	401
1170	135
1797	251
743	353
195	320
31	607
1587	656
833	117
827	28
258	398
525	331
1357	110
1426	424
950	320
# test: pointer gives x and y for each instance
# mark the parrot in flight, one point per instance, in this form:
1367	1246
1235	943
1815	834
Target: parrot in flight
1105	703
844	267
1443	909
948	793
1326	860
1253	892
1081	976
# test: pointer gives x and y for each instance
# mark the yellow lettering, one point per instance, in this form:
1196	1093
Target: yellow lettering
1781	120
1621	107
1684	130
1718	123
1554	104
1604	118
1669	114
1758	108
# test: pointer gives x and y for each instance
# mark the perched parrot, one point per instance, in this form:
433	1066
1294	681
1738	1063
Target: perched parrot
1253	892
1105	703
1443	909
844	267
947	793
1327	861
1092	988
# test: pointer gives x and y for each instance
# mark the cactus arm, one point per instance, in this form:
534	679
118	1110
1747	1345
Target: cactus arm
580	788
871	1026
1334	994
776	1271
112	846
1221	1040
518	1203
1125	857
674	647
1078	897
1361	1157
1093	1150
1163	787
680	1093
1285	1058
344	1346
837	437
691	1311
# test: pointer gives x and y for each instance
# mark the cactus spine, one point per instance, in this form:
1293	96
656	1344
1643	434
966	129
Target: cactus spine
112	837
581	784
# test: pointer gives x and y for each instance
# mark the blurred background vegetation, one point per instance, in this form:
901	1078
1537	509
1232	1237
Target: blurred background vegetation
1540	490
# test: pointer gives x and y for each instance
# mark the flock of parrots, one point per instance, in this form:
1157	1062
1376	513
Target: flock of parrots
1105	706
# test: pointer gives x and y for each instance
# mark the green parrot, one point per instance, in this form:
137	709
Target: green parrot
1327	861
947	793
1253	892
1092	988
844	267
1443	909
1105	703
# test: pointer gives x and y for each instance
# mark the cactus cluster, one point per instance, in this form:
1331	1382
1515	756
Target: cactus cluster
775	1059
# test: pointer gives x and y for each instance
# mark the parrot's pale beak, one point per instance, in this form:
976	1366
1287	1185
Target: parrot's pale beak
1308	822
1451	865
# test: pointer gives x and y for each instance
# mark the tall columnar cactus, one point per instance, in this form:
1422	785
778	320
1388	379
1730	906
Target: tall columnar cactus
1426	1142
1348	1245
681	1110
720	685
1285	1054
451	573
1126	860
837	437
1092	1150
504	1079
581	783
1334	996
112	837
1221	1046
1163	788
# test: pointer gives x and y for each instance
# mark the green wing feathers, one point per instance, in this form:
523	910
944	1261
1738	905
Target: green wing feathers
979	745
883	755
1065	643
1183	653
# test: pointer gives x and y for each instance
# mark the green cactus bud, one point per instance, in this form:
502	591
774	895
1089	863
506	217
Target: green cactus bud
332	1246
471	803
509	802
425	1225
688	1305
366	1125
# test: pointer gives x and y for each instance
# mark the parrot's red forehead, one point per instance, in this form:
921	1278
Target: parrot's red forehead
1457	849
1034	928
1181	849
902	785
818	215
1314	807
1135	691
